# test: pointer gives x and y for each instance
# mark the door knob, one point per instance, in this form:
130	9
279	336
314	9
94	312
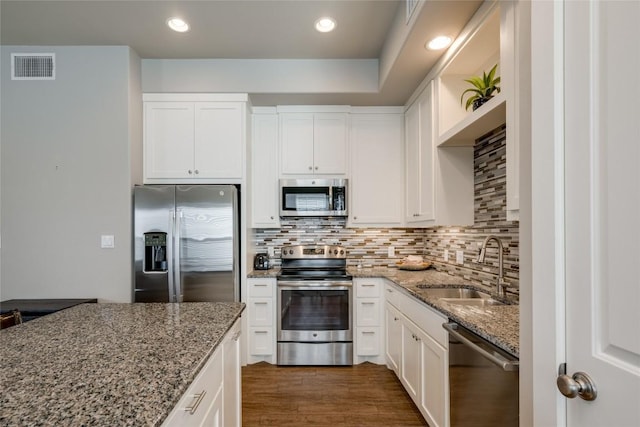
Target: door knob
579	384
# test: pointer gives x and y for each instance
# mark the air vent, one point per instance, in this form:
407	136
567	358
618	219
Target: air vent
33	66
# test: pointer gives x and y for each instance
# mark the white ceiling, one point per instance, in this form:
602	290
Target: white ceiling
243	29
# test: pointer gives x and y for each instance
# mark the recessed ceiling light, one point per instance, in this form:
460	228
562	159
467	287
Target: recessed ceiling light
439	42
325	24
177	24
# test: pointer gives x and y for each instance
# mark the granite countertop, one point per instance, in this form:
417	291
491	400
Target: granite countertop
107	364
498	324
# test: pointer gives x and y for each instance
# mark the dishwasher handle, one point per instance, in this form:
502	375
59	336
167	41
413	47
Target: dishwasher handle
504	363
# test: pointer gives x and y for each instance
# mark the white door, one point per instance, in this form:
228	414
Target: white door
602	208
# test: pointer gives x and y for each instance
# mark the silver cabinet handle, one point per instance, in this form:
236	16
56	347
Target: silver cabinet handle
368	332
190	171
368	303
260	332
367	285
260	303
198	399
271	217
197	171
310	168
316	168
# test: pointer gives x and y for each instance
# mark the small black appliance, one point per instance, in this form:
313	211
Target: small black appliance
261	262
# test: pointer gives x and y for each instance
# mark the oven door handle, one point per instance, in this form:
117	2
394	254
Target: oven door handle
505	364
314	284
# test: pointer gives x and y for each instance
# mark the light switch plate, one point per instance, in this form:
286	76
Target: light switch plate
460	257
270	251
391	252
446	255
107	241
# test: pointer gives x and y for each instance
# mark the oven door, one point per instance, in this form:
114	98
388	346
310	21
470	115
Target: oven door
315	311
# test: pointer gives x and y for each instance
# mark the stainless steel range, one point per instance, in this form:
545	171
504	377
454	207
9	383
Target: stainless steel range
315	307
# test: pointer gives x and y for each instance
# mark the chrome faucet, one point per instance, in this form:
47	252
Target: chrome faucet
501	285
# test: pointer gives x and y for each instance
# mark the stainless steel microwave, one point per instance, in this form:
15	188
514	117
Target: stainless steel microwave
313	197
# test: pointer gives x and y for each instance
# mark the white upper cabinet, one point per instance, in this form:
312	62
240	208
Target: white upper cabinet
377	165
264	171
439	180
313	143
194	138
420	165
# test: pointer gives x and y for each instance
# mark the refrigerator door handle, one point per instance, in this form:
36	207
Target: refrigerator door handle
176	257
170	255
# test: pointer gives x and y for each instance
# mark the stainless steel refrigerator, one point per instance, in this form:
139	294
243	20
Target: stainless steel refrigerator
186	245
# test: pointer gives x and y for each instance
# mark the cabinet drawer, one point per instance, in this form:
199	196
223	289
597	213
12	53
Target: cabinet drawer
368	341
261	287
368	287
209	382
261	341
368	312
260	312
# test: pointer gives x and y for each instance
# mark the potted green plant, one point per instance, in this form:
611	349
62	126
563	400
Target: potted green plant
482	90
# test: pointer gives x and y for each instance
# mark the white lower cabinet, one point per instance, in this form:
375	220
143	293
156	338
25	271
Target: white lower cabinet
214	397
369	320
261	307
416	350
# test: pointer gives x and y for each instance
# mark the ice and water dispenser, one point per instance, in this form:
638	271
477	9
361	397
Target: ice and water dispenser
155	252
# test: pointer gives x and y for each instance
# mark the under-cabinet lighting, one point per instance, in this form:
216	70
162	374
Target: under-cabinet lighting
439	43
325	24
177	24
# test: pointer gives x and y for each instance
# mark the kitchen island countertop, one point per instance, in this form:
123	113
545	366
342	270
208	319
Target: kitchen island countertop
107	364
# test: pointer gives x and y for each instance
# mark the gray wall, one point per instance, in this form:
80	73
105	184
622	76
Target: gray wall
71	151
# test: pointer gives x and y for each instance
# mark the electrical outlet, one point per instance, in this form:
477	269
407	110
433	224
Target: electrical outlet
107	241
270	251
446	255
459	257
391	252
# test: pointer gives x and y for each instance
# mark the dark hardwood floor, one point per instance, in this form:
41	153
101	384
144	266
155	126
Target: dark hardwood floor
361	395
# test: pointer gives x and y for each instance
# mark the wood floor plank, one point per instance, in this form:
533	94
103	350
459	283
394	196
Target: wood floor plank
360	395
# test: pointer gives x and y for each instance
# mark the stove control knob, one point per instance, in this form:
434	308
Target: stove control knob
335	252
290	251
341	252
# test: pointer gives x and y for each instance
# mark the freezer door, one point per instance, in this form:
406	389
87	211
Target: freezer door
207	241
154	210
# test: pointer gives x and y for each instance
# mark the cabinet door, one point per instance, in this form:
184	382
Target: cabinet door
264	155
168	139
330	143
377	169
393	338
434	402
296	143
219	140
232	378
420	158
411	362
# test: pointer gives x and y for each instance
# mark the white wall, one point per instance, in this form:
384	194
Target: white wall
71	151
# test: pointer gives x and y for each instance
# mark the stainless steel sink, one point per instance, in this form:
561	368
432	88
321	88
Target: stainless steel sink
472	302
459	296
453	293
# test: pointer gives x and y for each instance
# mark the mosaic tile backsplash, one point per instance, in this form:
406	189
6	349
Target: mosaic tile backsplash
369	247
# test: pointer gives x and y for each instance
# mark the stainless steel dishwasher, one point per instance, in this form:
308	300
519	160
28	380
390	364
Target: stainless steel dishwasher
483	381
